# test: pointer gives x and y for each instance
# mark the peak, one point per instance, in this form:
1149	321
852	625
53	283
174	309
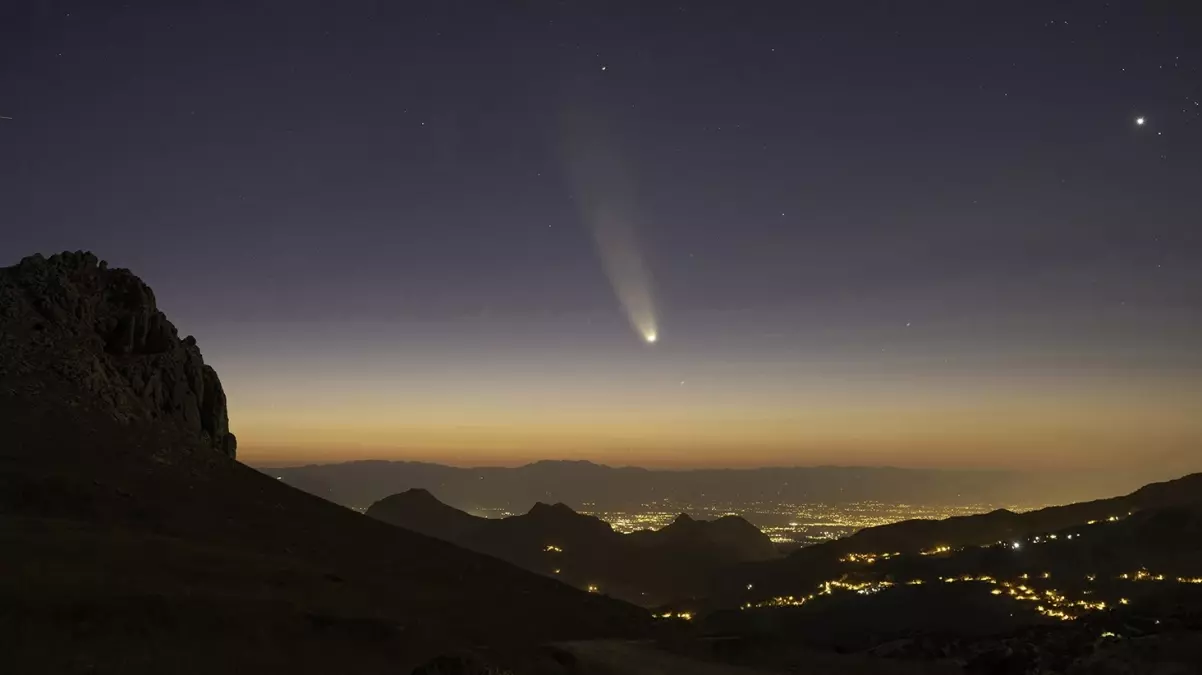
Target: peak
557	508
564	464
683	519
732	518
98	333
413	496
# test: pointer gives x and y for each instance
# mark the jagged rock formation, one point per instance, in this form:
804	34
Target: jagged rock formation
99	332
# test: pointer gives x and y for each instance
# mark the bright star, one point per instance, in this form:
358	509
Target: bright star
1139	121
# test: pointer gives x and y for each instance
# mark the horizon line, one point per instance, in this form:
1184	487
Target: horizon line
681	469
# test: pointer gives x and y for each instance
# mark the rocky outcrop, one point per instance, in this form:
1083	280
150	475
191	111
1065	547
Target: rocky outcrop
99	332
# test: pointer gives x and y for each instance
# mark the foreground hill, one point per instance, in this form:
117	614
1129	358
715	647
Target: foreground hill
646	567
134	543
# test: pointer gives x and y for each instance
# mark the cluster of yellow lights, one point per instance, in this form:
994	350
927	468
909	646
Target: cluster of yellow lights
687	616
868	558
1049	602
552	548
593	588
815	521
826	588
1142	575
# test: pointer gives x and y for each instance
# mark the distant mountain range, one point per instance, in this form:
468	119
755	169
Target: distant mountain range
588	486
646	567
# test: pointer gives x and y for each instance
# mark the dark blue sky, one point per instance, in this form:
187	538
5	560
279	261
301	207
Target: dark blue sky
844	209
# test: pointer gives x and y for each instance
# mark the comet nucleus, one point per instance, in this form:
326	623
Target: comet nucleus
605	193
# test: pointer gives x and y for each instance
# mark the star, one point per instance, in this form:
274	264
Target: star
1139	121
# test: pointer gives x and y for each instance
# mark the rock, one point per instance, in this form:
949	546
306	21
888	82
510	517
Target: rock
100	330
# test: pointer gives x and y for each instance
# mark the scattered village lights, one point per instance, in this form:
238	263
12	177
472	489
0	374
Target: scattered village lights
1048	602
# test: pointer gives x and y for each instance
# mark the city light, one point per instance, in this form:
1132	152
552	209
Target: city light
687	616
1048	602
792	523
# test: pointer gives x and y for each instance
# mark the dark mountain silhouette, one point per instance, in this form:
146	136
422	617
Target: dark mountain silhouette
133	542
585	485
731	537
420	511
647	567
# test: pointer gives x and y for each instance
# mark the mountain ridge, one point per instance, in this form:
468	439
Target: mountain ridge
588	485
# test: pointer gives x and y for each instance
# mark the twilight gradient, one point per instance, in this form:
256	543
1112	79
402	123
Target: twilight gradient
862	234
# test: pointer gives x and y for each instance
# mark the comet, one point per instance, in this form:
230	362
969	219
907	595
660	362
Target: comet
606	197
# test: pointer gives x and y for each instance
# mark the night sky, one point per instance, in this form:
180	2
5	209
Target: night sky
905	233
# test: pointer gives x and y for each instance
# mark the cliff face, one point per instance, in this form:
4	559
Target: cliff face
99	334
